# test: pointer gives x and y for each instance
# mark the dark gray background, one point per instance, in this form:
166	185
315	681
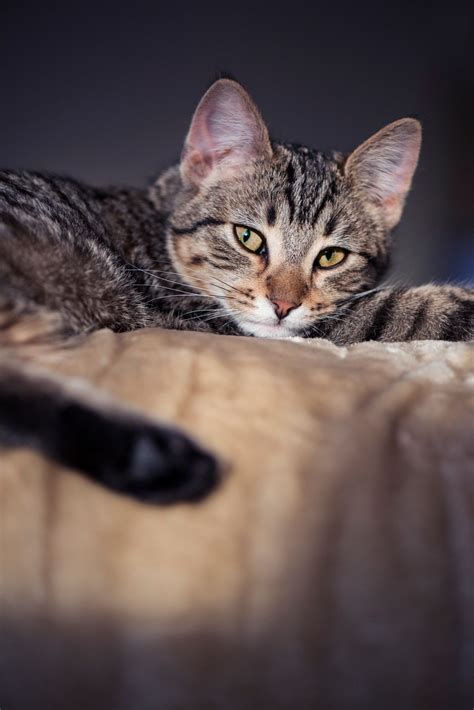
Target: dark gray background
105	92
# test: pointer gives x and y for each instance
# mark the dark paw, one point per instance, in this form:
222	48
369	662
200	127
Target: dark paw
154	464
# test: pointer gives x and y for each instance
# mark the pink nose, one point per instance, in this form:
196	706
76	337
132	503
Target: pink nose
282	308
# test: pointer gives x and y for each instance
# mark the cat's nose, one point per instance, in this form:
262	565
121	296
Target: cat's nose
282	308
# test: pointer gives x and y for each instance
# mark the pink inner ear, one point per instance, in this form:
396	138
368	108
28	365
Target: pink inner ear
197	165
383	166
226	133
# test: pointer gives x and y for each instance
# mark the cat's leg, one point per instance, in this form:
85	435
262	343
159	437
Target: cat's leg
401	314
122	451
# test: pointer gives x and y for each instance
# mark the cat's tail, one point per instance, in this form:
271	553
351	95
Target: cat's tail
69	423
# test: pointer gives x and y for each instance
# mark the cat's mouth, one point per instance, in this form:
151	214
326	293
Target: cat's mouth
268	330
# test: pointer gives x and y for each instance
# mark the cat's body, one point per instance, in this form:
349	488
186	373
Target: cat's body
244	237
96	258
99	259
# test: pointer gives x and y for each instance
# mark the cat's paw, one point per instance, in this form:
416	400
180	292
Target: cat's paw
126	454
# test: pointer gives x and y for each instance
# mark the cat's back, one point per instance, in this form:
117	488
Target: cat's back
59	203
62	203
64	246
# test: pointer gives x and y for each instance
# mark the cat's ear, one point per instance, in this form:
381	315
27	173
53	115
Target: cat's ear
383	167
227	134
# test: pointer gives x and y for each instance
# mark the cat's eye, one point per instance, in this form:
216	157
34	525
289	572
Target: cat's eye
250	239
327	258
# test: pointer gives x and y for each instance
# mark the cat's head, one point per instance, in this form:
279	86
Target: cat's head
280	234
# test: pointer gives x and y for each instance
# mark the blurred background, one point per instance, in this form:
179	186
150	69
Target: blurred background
105	92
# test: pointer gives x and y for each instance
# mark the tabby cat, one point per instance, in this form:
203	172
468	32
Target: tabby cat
245	236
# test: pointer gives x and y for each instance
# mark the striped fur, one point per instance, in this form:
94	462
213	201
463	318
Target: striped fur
301	201
74	258
126	259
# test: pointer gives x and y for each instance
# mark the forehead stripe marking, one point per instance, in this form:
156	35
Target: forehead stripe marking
271	215
206	222
327	197
290	176
331	225
303	196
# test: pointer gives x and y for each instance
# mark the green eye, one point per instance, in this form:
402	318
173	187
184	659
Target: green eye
250	239
328	258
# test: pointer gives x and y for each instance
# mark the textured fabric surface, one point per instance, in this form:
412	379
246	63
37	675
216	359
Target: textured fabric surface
333	568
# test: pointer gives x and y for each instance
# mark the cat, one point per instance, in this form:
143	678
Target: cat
245	236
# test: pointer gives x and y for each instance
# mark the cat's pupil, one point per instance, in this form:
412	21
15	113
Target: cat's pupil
329	254
246	235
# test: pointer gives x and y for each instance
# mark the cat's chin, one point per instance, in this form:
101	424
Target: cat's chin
261	330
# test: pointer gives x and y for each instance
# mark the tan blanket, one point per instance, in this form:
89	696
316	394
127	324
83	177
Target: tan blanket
333	568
